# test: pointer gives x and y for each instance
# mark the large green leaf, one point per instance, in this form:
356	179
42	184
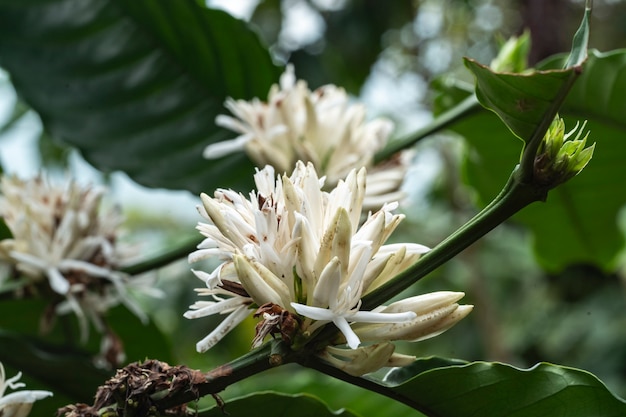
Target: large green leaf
577	224
494	389
272	404
136	85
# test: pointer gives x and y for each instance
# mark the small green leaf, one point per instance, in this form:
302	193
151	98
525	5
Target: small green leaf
580	43
522	101
495	389
272	404
528	102
513	54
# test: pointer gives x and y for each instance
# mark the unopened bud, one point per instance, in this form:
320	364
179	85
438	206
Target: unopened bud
513	55
558	158
436	312
360	361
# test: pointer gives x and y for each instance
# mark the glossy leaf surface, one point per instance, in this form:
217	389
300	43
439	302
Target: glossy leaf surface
136	86
494	389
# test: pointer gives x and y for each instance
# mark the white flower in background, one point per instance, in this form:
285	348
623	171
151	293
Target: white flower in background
321	127
298	254
61	238
17	404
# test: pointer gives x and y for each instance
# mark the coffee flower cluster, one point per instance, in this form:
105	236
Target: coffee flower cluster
61	241
321	127
298	257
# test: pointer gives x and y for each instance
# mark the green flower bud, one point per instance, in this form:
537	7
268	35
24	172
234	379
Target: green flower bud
513	55
558	158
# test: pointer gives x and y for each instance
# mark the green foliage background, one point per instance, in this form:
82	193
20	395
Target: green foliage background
540	295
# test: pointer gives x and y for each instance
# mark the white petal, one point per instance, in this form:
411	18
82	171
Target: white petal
258	281
315	313
223	328
424	303
211	280
21	397
57	281
202	254
30	260
373	317
226	147
210	307
328	284
83	266
351	338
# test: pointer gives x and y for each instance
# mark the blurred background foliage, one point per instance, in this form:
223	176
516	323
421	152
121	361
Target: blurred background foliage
388	54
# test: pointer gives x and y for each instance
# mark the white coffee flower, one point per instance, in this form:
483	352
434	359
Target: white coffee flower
322	127
19	403
61	239
298	254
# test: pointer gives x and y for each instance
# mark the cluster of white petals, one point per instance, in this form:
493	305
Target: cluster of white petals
19	403
60	237
293	245
322	127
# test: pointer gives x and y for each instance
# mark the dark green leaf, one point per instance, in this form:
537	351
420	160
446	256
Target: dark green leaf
494	389
271	404
136	86
400	375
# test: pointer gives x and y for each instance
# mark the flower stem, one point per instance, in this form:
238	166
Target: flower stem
526	172
463	109
364	382
163	259
513	197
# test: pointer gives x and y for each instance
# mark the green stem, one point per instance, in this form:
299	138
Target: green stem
363	382
527	164
514	196
463	109
163	259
